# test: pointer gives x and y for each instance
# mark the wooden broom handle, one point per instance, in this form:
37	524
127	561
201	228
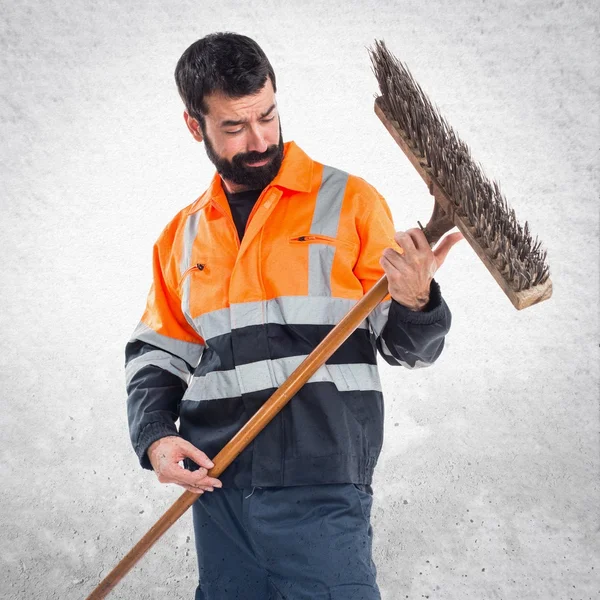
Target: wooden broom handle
336	337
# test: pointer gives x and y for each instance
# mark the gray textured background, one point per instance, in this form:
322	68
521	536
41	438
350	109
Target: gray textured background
488	484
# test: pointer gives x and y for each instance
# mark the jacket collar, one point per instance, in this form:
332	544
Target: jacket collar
295	174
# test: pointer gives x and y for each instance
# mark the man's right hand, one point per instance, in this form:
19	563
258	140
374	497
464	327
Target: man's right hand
165	454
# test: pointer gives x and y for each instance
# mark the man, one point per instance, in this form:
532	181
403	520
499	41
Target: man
248	279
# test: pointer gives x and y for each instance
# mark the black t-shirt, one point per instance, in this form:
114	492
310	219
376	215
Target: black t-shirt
241	204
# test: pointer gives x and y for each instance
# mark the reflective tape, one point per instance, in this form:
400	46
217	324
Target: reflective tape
419	364
244	314
328	207
379	316
213	324
160	359
302	310
268	374
346	377
326	218
285	310
188	351
320	264
190	232
256	376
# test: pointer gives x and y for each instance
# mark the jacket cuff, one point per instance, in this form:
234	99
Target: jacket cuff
150	434
434	310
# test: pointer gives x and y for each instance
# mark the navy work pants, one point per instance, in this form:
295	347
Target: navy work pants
285	543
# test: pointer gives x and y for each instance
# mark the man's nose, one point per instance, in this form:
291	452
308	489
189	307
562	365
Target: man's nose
256	140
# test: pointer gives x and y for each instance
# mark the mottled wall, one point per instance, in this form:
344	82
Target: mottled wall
488	484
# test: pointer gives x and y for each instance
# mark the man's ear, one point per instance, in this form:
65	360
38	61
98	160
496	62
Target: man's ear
193	126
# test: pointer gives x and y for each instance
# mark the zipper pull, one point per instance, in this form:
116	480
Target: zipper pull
199	266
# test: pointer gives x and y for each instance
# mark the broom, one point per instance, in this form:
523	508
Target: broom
463	197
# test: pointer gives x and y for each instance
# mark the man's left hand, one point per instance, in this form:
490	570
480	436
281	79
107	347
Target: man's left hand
410	270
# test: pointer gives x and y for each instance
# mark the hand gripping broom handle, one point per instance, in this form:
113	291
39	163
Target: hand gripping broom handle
336	337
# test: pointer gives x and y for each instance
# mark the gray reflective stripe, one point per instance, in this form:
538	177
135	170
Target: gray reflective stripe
347	378
185	301
247	313
190	232
325	221
328	206
302	310
188	351
320	263
213	324
386	351
377	319
213	386
285	310
256	376
419	364
160	359
268	374
379	316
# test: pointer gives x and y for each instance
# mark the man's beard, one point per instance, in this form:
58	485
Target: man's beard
238	172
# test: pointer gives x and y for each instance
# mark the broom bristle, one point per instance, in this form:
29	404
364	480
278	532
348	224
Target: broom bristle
509	245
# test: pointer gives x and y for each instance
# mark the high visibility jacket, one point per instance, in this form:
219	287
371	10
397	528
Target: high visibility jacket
226	323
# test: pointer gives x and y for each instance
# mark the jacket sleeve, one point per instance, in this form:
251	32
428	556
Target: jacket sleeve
160	358
402	336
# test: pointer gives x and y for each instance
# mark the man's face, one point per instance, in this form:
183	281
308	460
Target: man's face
243	138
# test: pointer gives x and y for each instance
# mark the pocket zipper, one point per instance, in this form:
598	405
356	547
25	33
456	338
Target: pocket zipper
314	238
196	267
323	239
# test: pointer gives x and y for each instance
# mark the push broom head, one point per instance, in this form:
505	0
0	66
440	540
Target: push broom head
466	196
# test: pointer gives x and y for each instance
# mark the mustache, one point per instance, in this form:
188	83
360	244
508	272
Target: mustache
254	156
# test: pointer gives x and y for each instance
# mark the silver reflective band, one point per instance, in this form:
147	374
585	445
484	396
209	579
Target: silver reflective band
378	318
213	324
188	351
325	221
160	359
189	235
419	364
262	375
284	310
320	264
213	386
328	206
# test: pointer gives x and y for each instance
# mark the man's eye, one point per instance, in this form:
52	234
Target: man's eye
234	132
268	119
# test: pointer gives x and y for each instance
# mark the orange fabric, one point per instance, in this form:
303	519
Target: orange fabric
273	260
163	306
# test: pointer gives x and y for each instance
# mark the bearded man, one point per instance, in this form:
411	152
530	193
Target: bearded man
247	280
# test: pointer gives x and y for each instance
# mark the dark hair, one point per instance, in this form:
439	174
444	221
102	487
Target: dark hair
221	62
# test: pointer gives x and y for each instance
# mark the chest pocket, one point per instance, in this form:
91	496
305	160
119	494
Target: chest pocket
204	286
330	262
